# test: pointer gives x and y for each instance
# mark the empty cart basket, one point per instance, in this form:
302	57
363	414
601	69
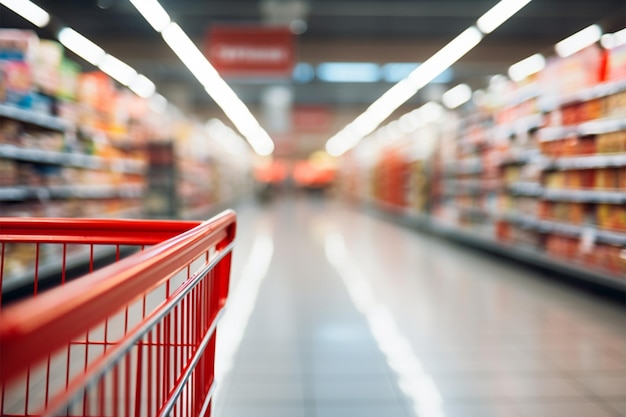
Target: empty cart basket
111	317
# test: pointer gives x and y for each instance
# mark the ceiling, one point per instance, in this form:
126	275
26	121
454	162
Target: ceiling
378	31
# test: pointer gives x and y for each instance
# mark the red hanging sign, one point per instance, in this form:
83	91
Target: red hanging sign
244	51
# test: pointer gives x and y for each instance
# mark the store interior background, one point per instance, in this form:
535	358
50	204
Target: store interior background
197	161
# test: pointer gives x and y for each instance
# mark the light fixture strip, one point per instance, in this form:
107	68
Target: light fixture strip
499	14
142	86
118	70
457	96
578	41
29	11
213	83
153	12
528	66
81	46
382	108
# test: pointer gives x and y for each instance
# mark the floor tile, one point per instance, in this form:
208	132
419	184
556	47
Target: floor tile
372	388
263	410
480	409
496	338
564	409
605	386
618	405
360	409
247	390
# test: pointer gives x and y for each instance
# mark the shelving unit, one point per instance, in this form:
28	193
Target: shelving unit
34	118
36	180
535	176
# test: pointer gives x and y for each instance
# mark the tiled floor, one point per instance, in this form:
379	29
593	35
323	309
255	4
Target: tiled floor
355	316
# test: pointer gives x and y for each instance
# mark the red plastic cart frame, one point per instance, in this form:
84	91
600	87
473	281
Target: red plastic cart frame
161	364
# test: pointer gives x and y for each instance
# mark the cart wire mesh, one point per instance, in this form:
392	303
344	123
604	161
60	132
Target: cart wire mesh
111	317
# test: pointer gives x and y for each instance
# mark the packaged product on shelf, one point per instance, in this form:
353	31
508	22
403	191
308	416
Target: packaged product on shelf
611	217
621	178
616	68
17	83
588	178
96	90
69	74
17	45
607	178
46	66
615	105
8	172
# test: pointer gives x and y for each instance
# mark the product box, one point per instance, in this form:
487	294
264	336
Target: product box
587	145
18	45
588	178
611	217
96	90
591	110
607	179
69	73
616	69
615	105
47	63
621	179
576	213
17	83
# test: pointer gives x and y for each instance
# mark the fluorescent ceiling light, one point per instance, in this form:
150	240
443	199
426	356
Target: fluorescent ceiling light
613	40
189	54
81	46
29	11
153	12
446	56
531	65
353	72
118	70
397	71
578	41
456	96
393	98
499	14
218	89
142	86
243	120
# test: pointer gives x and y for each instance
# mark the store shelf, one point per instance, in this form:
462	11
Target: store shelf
14	193
522	125
74	160
594	127
471	166
524	254
589	162
526	189
566	229
601	126
91	192
527	255
525	157
34	118
476	211
524	94
51	157
599	91
552	133
585	196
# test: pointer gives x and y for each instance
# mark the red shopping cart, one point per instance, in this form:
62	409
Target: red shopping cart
134	335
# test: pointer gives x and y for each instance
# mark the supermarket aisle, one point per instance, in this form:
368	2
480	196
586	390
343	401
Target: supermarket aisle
358	317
